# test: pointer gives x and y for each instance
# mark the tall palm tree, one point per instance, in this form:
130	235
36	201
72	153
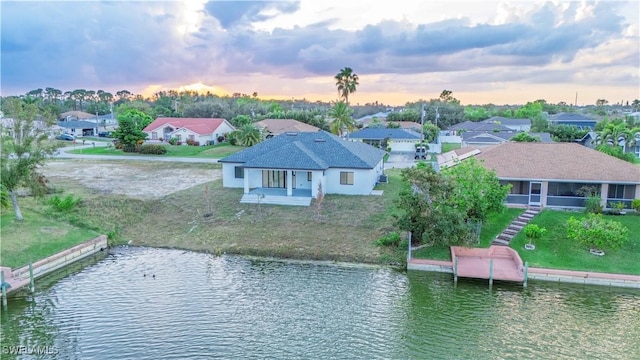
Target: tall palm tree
346	81
341	118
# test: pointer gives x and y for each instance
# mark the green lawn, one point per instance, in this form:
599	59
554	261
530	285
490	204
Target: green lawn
446	147
216	151
37	237
494	225
555	251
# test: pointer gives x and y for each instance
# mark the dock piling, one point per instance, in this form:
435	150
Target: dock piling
490	272
4	290
455	269
32	283
526	270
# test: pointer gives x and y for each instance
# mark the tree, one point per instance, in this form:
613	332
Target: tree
341	118
615	135
597	232
24	149
477	192
248	135
129	131
346	81
525	137
430	132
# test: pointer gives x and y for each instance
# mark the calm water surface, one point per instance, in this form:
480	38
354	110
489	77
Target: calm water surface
202	306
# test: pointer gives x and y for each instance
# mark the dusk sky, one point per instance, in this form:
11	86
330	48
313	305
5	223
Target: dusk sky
506	52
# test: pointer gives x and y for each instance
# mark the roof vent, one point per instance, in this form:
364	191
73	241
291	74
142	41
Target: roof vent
319	140
291	133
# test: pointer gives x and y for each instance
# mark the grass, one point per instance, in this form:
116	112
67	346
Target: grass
446	147
215	151
37	237
554	250
494	225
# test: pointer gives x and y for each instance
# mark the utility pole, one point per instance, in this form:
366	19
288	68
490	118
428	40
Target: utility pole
422	114
437	116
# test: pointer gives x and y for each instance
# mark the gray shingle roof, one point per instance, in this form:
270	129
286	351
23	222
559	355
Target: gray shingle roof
382	133
479	126
507	121
77	124
569	117
307	151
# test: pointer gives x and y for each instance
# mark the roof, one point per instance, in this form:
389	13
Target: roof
507	121
379	115
452	157
479	126
279	126
77	114
202	126
500	137
383	133
569	117
557	161
307	151
78	124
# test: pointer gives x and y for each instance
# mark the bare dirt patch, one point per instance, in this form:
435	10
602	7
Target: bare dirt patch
133	179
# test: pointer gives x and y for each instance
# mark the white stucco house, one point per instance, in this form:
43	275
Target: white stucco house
205	131
291	168
398	139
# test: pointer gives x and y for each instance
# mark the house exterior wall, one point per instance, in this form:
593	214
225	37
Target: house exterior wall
364	180
224	128
229	179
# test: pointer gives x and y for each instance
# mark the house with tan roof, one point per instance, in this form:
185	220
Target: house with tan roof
205	131
274	127
551	174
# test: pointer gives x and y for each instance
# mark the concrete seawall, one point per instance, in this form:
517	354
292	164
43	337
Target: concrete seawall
540	274
19	278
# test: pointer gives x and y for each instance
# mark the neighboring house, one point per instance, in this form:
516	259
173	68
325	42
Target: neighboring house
484	139
550	175
205	131
297	165
513	124
79	128
75	115
368	119
399	140
470	126
580	121
274	127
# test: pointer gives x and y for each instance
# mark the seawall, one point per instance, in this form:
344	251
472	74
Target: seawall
19	278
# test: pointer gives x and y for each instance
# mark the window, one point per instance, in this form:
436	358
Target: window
569	189
192	137
621	191
154	135
239	172
346	178
637	151
309	175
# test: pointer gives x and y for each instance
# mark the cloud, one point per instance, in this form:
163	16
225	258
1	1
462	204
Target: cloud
230	13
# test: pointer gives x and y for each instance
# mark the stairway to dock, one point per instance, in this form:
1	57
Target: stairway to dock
516	225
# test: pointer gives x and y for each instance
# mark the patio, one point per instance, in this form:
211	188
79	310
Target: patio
277	196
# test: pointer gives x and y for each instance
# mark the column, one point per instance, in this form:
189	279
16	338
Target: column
604	193
289	180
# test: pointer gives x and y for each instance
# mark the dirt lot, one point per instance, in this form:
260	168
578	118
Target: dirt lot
140	180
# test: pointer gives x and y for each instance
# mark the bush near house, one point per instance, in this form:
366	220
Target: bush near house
153	149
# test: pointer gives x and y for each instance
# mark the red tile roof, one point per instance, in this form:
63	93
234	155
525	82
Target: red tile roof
202	126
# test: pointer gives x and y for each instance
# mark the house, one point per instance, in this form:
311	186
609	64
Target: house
368	119
484	139
399	140
453	157
580	121
274	127
470	126
75	115
551	174
513	124
205	131
79	127
299	164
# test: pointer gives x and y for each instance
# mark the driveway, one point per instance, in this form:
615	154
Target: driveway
400	160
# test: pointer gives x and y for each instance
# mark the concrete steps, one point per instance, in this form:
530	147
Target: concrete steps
515	227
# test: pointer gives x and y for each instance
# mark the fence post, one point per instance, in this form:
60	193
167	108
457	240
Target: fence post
409	250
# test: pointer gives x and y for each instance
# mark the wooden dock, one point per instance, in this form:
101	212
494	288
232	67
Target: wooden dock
493	263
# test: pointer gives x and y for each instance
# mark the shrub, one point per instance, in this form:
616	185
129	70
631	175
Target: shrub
173	141
592	205
65	204
635	204
190	141
597	232
617	207
392	238
129	148
220	138
533	231
152	149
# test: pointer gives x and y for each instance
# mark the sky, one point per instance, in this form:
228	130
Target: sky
500	52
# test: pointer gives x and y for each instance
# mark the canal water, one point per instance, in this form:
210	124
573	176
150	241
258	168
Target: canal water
145	303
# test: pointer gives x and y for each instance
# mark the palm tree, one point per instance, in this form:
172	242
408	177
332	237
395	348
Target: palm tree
346	80
248	135
615	135
341	118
